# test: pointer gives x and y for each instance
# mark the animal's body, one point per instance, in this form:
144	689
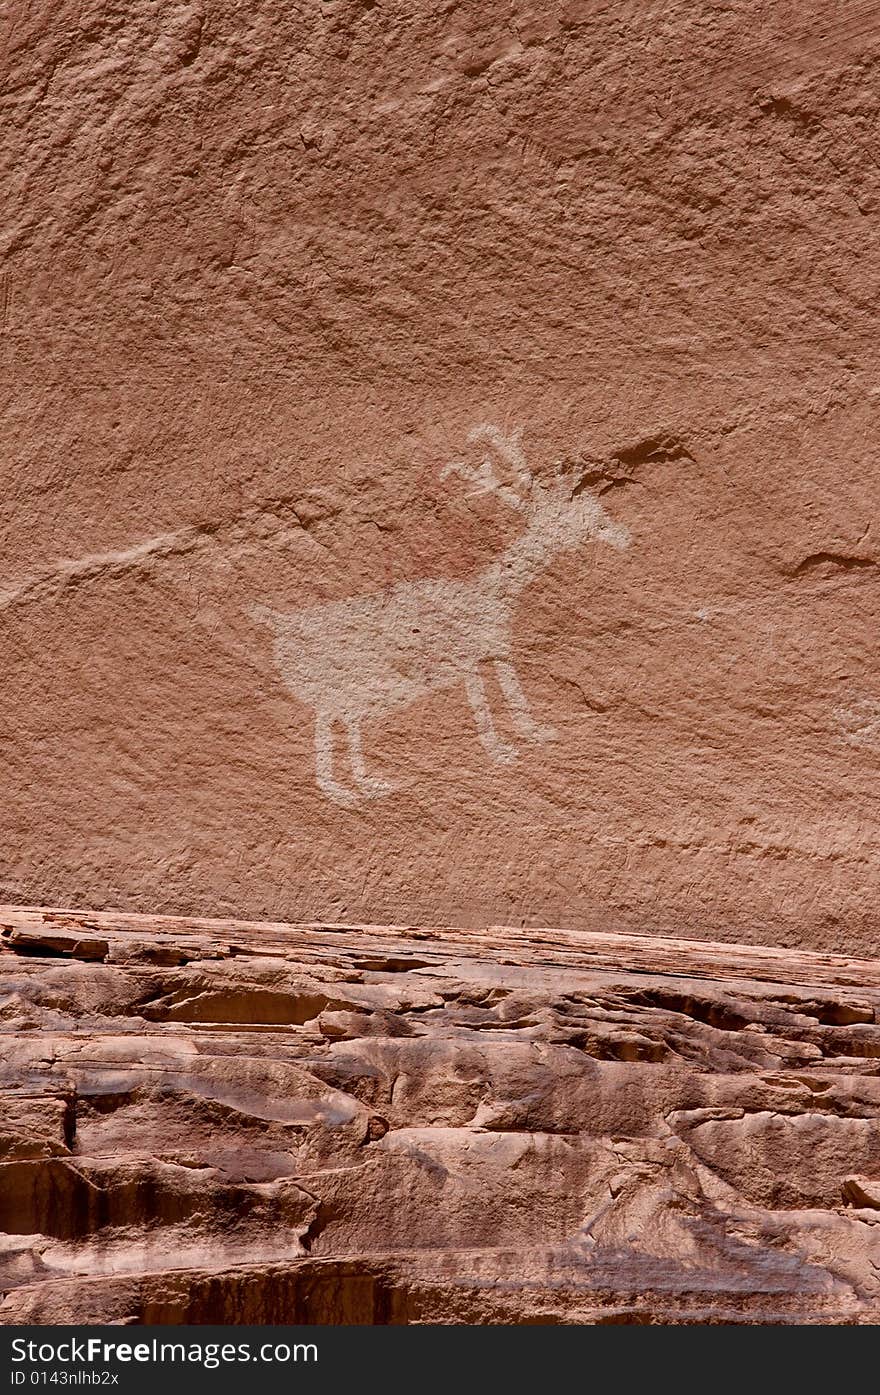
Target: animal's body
358	658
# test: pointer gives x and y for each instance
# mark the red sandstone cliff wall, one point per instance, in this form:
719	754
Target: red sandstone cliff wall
264	268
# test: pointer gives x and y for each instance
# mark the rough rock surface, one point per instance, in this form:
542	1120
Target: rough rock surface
264	268
208	1121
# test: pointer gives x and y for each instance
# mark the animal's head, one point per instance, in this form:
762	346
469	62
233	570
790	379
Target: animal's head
567	518
565	515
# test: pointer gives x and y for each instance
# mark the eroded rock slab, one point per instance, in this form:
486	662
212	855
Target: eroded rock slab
231	1122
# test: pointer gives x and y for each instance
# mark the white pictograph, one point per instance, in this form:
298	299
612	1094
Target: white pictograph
361	658
859	723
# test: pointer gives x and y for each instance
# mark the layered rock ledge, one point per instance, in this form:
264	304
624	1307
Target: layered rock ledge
218	1121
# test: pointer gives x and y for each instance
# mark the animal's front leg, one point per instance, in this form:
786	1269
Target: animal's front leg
496	749
324	763
519	705
370	784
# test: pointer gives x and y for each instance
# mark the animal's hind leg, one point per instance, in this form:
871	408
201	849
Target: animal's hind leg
497	750
324	762
370	784
518	703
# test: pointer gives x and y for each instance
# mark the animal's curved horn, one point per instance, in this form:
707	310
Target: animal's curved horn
484	480
508	447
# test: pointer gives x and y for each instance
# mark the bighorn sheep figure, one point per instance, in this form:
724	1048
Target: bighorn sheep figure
359	658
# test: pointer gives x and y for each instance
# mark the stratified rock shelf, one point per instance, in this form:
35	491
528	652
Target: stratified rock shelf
219	1121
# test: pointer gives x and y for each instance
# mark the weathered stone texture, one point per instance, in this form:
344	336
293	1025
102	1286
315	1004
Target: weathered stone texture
263	267
207	1121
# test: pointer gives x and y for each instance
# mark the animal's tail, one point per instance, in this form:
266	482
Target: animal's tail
264	615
